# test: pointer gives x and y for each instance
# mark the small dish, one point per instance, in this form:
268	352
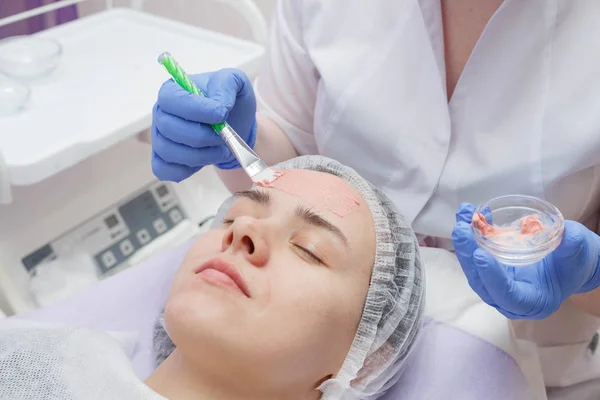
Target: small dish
508	238
14	96
29	57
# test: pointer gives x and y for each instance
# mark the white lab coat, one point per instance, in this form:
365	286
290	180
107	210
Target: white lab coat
364	82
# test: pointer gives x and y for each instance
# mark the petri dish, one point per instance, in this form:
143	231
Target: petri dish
29	57
509	236
14	95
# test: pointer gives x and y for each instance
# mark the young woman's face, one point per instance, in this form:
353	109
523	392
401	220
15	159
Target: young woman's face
276	292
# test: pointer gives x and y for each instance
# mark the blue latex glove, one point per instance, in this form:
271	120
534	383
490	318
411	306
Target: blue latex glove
534	291
182	143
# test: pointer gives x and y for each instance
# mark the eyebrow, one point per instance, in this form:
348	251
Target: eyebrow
301	212
257	196
312	218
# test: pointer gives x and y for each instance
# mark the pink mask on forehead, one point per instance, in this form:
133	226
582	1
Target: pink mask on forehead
324	193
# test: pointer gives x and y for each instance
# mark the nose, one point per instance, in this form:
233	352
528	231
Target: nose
246	237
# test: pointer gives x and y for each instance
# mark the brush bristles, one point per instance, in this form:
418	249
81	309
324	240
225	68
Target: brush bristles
267	175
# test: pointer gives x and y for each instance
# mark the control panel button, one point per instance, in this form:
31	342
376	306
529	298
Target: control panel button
143	236
109	259
160	226
175	215
162	191
126	247
111	221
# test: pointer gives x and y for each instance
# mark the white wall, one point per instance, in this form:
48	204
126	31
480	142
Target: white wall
205	13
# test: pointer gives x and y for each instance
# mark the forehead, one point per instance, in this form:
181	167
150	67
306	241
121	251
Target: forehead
328	195
321	190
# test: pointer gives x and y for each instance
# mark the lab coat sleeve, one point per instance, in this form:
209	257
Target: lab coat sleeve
564	345
286	88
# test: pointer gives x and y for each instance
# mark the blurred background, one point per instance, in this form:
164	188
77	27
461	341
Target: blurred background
78	81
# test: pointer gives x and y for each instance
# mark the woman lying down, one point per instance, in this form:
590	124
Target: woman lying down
310	287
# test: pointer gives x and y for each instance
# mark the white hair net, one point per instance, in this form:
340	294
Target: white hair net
394	305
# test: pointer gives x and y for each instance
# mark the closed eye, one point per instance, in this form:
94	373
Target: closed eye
309	254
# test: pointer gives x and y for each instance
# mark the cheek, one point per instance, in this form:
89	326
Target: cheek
316	296
311	316
208	243
204	248
182	306
198	312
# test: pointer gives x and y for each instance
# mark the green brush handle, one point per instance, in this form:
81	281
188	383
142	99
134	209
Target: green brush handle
184	81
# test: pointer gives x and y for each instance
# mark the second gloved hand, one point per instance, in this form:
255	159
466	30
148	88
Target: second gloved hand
182	140
534	291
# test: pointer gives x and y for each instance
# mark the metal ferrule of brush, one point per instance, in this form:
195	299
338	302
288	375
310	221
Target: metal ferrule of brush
247	158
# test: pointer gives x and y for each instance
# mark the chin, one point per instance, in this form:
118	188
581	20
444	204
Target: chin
205	337
200	315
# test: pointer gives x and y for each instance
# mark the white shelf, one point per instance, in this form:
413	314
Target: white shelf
105	87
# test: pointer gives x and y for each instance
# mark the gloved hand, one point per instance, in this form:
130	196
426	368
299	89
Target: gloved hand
182	142
534	291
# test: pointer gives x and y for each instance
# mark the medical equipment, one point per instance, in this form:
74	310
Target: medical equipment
532	291
79	153
14	95
29	57
509	216
252	164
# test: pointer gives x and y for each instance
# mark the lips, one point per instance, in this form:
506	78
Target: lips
221	272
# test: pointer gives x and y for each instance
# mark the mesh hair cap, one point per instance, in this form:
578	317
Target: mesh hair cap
394	305
393	309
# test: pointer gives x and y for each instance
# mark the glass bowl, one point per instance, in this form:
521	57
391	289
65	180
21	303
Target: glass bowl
29	57
14	95
510	241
